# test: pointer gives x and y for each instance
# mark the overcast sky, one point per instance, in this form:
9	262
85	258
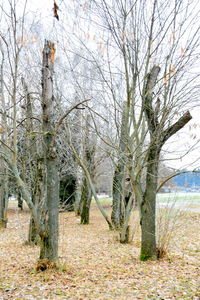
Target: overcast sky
180	143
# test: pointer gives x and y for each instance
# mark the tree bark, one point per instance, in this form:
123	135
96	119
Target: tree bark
89	147
32	162
38	195
117	196
49	237
49	234
86	198
77	202
148	206
117	211
125	229
4	136
19	200
3	201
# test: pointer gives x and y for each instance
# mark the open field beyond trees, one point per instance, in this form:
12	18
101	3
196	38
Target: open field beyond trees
94	265
179	200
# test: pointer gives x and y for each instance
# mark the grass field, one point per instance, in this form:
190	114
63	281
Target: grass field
179	196
184	199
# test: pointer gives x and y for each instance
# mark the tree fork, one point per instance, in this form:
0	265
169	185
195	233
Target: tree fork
157	140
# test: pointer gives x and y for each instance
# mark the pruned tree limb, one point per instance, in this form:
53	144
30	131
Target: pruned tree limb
176	126
148	98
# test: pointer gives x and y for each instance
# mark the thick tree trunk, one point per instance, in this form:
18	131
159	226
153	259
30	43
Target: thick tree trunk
4	137
82	197
148	207
117	216
148	204
117	197
3	216
77	131
89	147
86	197
77	200
49	234
49	240
79	180
38	195
33	236
3	202
31	162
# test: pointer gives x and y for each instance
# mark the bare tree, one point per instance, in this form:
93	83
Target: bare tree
4	138
49	234
158	137
149	48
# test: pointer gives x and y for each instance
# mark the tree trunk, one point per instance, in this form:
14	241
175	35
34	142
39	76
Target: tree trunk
38	195
82	198
77	200
78	131
79	180
125	229
117	207
3	201
49	240
49	234
19	200
86	197
117	197
125	235
89	147
31	161
33	236
148	207
4	137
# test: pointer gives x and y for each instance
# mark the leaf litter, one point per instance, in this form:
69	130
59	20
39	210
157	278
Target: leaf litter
94	265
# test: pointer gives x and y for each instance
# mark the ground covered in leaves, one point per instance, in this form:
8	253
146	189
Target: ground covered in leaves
94	265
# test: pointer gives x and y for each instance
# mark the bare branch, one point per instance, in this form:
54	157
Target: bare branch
68	112
148	98
176	126
172	176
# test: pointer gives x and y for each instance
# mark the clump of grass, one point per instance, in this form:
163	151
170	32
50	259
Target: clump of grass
168	221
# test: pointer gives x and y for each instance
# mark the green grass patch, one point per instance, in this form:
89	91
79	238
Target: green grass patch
193	198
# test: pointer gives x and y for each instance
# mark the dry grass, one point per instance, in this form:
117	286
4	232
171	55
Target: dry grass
94	265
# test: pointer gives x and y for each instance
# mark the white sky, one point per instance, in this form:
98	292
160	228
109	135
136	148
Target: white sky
179	143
